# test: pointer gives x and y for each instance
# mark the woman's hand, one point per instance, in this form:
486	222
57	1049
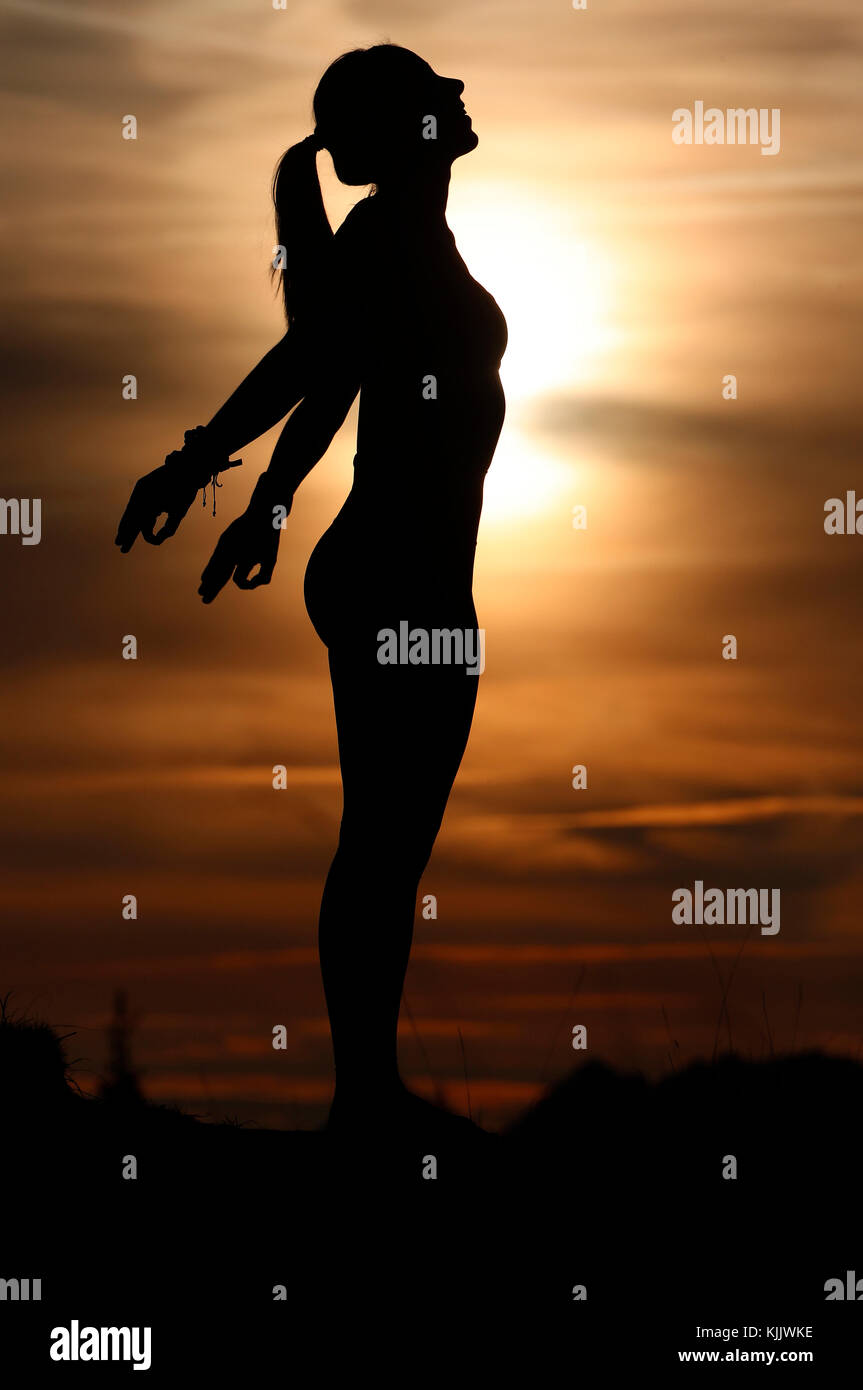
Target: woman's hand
170	489
250	541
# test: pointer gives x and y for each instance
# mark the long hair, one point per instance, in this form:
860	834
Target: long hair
303	230
353	105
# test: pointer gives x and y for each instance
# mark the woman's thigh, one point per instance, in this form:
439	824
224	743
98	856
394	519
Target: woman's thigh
402	731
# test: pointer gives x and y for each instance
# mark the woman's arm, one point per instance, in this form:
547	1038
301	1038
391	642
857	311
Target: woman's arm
333	347
307	436
264	398
270	390
252	540
266	395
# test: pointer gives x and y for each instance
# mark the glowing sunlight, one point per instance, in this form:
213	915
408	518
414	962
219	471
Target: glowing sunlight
553	288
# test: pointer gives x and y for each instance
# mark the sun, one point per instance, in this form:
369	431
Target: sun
525	482
553	287
555	292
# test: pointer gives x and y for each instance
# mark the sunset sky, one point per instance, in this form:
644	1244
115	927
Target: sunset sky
635	274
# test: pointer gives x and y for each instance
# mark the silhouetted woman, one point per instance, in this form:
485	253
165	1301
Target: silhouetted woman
388	309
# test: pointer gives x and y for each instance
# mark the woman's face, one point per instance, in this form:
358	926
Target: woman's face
455	133
373	109
415	92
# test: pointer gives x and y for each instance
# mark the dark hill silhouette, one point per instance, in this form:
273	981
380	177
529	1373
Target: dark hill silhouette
610	1181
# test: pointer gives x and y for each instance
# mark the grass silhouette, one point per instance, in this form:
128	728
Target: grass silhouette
610	1180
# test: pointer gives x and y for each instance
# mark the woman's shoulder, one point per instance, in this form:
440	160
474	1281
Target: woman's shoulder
359	222
356	244
352	263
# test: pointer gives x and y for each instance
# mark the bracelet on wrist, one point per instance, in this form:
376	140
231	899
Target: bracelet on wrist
201	461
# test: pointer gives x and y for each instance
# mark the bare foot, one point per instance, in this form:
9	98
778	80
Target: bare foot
397	1111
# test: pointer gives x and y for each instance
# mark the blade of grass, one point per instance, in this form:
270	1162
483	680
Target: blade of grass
464	1066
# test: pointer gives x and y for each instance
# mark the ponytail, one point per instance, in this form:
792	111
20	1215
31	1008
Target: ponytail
302	227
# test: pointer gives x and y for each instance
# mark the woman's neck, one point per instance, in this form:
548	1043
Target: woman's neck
422	199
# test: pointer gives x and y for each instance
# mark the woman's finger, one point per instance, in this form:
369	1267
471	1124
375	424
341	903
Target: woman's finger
219	570
266	572
130	522
127	531
243	577
170	527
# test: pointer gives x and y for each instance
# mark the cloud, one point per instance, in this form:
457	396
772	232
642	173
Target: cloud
155	776
669	431
742	811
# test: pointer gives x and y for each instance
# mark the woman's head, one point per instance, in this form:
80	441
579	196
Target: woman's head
384	113
385	116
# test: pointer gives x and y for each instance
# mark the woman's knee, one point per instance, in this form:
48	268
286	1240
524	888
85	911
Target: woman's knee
392	849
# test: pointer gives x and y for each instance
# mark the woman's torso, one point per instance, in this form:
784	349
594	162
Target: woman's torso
431	410
431	401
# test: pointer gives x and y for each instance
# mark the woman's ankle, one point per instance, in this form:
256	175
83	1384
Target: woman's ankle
365	1092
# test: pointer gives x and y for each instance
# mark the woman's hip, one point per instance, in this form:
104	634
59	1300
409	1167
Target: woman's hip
354	591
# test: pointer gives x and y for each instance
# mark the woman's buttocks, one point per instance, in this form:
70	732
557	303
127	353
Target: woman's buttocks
379	564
